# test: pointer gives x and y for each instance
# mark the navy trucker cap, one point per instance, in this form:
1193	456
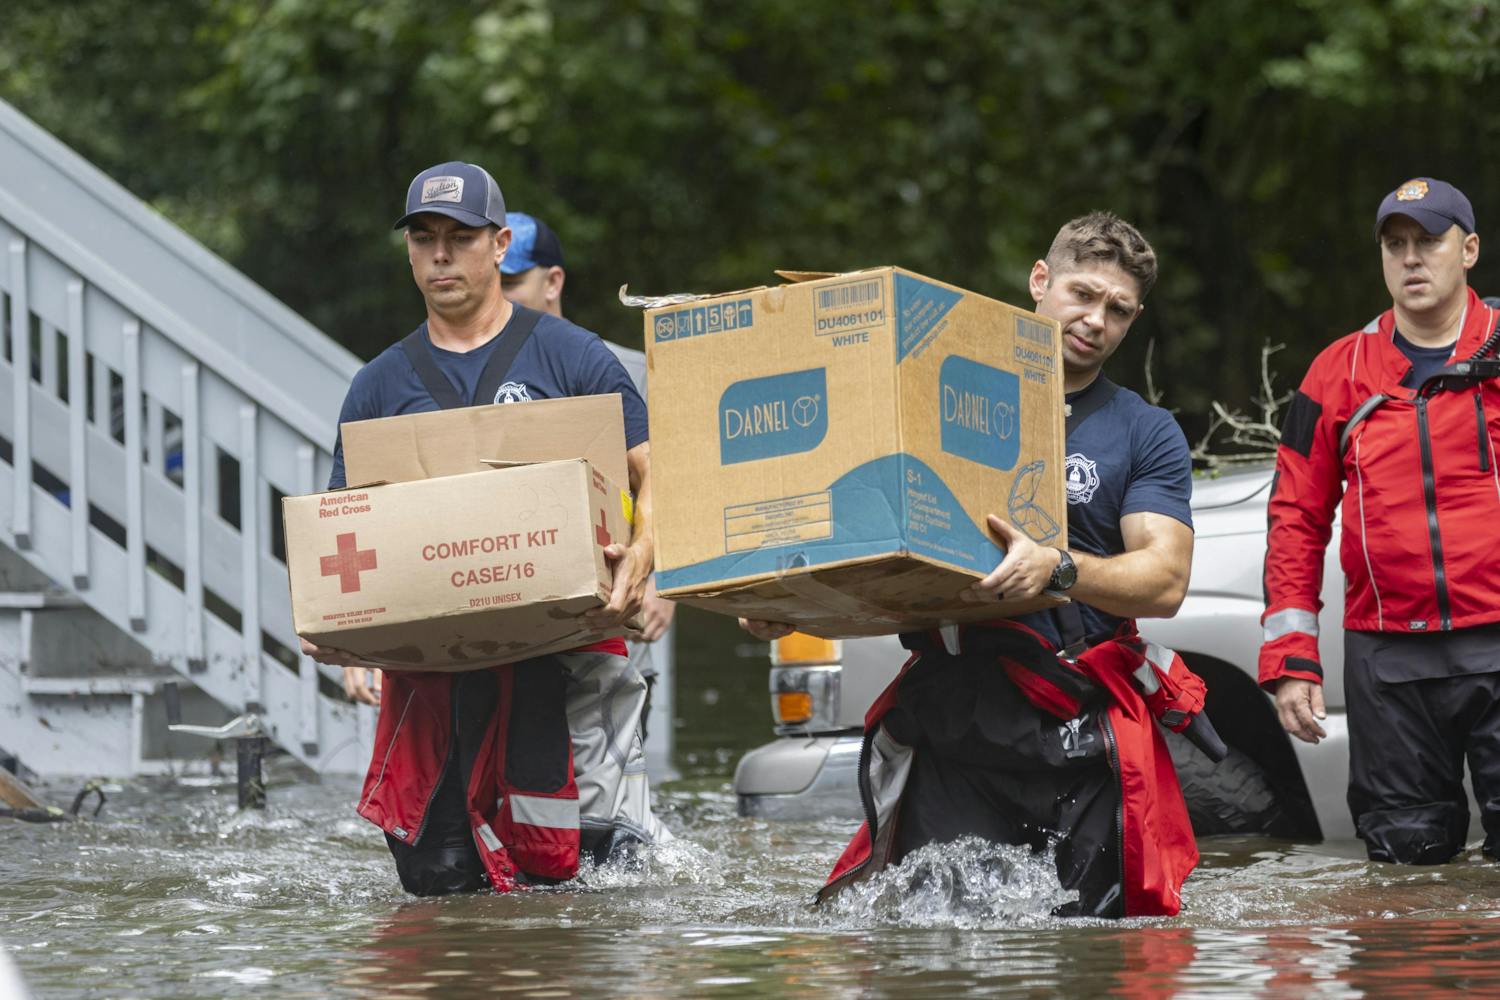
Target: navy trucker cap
460	191
532	244
1434	205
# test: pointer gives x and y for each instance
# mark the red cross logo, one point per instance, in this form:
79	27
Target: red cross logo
348	562
601	530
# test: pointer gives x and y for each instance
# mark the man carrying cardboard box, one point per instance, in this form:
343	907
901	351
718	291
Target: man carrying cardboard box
472	777
1032	731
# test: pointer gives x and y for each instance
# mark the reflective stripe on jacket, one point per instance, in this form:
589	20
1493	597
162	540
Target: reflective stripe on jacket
1420	492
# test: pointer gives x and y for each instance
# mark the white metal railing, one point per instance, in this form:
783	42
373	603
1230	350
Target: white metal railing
159	404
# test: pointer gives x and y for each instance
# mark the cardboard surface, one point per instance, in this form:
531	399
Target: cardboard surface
825	452
456	572
450	442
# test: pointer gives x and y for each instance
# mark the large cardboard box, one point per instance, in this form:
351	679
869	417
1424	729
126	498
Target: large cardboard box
456	572
477	536
825	452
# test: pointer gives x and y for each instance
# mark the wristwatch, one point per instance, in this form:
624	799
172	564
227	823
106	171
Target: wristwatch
1066	573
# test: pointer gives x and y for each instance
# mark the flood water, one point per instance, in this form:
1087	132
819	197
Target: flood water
174	893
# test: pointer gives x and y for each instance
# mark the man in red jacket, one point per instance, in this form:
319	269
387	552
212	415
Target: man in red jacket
1398	420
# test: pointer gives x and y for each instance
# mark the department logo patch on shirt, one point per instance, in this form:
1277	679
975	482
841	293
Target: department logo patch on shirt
1081	476
512	392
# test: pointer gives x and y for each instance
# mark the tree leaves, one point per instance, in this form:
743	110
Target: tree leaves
691	144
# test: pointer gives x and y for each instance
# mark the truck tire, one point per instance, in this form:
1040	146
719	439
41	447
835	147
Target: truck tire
1234	796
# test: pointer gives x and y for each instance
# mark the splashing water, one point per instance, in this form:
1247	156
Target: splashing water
966	884
677	862
175	893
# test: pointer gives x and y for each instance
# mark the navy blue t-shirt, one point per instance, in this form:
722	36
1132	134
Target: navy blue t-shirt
1425	361
1127	457
561	359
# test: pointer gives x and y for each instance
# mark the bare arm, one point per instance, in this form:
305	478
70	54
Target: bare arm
656	613
361	678
1148	580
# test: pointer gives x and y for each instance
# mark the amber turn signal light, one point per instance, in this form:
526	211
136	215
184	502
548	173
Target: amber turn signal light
801	650
793	707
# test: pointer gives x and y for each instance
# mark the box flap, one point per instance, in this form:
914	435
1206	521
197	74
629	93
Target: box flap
797	277
649	302
451	442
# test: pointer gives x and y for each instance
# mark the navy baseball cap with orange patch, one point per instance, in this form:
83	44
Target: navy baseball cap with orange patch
461	191
1436	206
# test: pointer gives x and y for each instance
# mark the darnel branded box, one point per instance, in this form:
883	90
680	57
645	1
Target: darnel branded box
825	452
464	569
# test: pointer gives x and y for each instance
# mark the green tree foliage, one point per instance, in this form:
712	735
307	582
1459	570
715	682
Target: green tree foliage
695	145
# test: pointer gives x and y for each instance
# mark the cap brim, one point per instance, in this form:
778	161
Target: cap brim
1433	222
462	215
517	265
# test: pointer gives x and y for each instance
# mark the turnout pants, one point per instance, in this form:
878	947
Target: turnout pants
988	763
587	702
531	745
1419	706
1008	741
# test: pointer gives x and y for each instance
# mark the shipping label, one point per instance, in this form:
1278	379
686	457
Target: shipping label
778	522
980	412
773	415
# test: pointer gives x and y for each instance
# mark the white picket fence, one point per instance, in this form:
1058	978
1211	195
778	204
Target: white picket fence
154	406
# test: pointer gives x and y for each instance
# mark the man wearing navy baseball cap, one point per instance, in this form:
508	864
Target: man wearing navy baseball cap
1398	421
473	778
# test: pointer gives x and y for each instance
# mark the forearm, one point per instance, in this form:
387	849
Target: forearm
1146	583
642	527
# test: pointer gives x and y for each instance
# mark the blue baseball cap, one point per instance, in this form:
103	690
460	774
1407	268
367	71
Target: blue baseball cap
532	244
460	191
1436	206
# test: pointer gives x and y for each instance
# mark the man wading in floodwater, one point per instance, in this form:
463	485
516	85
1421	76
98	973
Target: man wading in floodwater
988	731
473	777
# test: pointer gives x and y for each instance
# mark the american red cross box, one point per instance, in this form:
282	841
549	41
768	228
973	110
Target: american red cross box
457	572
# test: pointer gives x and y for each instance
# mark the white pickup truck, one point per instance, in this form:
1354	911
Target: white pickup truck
1270	784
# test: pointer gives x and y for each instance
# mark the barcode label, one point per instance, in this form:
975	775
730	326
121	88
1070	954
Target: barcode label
841	296
848	308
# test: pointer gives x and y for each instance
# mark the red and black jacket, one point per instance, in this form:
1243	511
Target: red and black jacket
1420	491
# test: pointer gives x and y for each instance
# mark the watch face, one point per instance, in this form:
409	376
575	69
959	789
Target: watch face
1066	573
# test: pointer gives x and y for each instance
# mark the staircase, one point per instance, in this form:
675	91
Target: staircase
154	406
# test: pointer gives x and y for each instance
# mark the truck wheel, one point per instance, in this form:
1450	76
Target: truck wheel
1232	796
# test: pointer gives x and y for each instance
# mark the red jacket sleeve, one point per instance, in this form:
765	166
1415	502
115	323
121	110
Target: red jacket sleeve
1306	489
